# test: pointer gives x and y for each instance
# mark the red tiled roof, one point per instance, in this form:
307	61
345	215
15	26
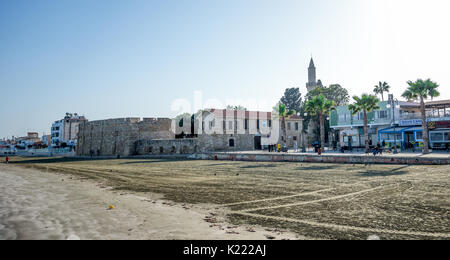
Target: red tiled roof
221	113
240	114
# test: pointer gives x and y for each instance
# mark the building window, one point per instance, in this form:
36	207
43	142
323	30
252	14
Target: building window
270	123
447	136
230	125
382	114
231	142
289	126
391	137
257	124
246	124
438	137
296	126
419	136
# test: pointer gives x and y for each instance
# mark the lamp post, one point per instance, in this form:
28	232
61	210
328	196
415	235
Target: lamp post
329	139
393	103
303	136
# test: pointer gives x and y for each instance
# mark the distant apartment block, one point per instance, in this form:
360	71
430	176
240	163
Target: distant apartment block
65	131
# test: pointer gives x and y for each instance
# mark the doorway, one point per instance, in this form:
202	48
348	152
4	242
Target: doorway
258	145
409	140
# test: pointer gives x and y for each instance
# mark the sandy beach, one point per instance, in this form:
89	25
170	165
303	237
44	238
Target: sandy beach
45	205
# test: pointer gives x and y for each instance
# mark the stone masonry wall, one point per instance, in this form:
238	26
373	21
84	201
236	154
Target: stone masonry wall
119	136
169	146
217	142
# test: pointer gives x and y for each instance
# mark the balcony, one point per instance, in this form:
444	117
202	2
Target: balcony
410	116
438	115
417	117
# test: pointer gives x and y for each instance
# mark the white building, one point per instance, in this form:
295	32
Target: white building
65	131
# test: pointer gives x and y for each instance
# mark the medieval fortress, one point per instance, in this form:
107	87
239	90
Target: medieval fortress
210	130
215	130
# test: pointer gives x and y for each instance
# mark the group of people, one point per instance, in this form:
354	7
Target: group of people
276	148
273	148
378	149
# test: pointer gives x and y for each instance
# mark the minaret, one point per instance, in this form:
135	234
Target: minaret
312	82
312	72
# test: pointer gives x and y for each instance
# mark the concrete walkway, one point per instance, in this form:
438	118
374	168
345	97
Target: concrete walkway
441	155
329	157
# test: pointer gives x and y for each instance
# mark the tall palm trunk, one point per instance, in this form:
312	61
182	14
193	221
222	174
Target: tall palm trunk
283	129
366	132
322	131
424	126
382	95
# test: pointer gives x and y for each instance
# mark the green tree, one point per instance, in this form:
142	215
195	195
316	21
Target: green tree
282	113
381	88
334	92
292	99
366	103
421	90
237	108
320	106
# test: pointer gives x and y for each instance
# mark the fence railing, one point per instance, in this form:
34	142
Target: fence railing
47	152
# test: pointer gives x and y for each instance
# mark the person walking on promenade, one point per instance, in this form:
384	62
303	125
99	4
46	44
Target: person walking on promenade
7	159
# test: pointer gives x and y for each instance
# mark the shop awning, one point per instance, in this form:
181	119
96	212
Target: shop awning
415	129
396	130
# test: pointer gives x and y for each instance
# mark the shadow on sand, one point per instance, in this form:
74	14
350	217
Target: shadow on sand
259	166
149	161
74	159
317	168
378	173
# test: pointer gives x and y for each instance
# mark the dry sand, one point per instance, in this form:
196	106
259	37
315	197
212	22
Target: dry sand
45	205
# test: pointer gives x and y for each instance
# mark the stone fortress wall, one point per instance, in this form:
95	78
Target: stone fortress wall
155	136
114	137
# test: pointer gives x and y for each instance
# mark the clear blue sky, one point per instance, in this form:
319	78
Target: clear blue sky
111	58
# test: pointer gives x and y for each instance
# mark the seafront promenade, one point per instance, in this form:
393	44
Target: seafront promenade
330	157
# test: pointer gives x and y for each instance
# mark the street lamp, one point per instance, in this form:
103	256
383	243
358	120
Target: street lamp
393	103
303	136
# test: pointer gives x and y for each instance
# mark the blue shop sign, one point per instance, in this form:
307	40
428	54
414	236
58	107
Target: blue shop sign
410	122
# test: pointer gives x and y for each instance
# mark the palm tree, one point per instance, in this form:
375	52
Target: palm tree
421	90
366	103
322	107
381	88
283	113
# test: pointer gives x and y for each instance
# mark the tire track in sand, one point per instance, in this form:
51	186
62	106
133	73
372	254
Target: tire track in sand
319	200
345	228
278	198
